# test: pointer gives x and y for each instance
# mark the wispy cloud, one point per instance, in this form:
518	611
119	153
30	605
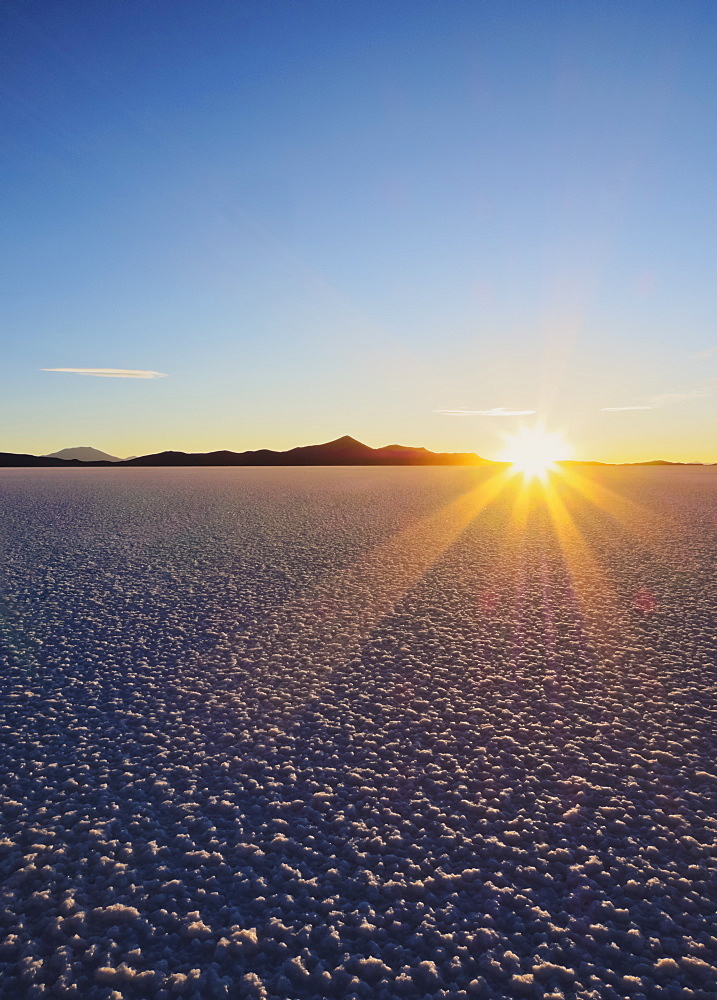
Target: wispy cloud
619	409
664	399
109	372
497	411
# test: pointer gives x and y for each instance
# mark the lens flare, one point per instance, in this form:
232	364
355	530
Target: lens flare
533	451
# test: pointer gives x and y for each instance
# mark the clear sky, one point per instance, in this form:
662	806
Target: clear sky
359	216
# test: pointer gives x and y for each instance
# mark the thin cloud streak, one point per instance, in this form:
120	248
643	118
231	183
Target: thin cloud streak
109	372
701	355
662	399
619	409
497	411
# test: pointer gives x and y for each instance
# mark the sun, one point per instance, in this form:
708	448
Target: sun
534	451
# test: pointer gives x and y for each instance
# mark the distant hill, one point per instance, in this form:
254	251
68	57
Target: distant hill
84	455
9	460
661	461
343	451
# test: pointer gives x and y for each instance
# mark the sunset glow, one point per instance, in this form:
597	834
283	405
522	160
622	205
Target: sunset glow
359	489
534	451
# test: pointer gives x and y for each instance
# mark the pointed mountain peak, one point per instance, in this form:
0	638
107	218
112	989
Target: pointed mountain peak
348	440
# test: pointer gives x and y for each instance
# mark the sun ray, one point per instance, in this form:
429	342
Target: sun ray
599	495
339	612
630	516
597	599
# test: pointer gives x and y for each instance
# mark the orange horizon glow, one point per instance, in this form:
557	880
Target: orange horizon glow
400	562
533	451
121	444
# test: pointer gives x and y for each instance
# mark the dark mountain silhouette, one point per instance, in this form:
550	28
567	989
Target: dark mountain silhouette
343	451
84	455
661	461
9	460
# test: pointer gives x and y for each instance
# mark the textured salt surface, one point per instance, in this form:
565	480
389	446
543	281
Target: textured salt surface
357	733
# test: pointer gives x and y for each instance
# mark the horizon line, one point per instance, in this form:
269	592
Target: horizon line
346	440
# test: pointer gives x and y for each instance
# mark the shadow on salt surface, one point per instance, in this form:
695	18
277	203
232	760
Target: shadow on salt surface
511	791
487	797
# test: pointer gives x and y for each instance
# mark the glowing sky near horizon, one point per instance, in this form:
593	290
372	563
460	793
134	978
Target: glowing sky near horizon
426	223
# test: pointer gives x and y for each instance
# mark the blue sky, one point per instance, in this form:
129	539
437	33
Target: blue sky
318	218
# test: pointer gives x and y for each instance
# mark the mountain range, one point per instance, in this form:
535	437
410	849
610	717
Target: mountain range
343	451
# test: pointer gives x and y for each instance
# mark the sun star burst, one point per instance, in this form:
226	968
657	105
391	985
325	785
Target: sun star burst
533	451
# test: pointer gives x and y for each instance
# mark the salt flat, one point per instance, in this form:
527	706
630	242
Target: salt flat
415	733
